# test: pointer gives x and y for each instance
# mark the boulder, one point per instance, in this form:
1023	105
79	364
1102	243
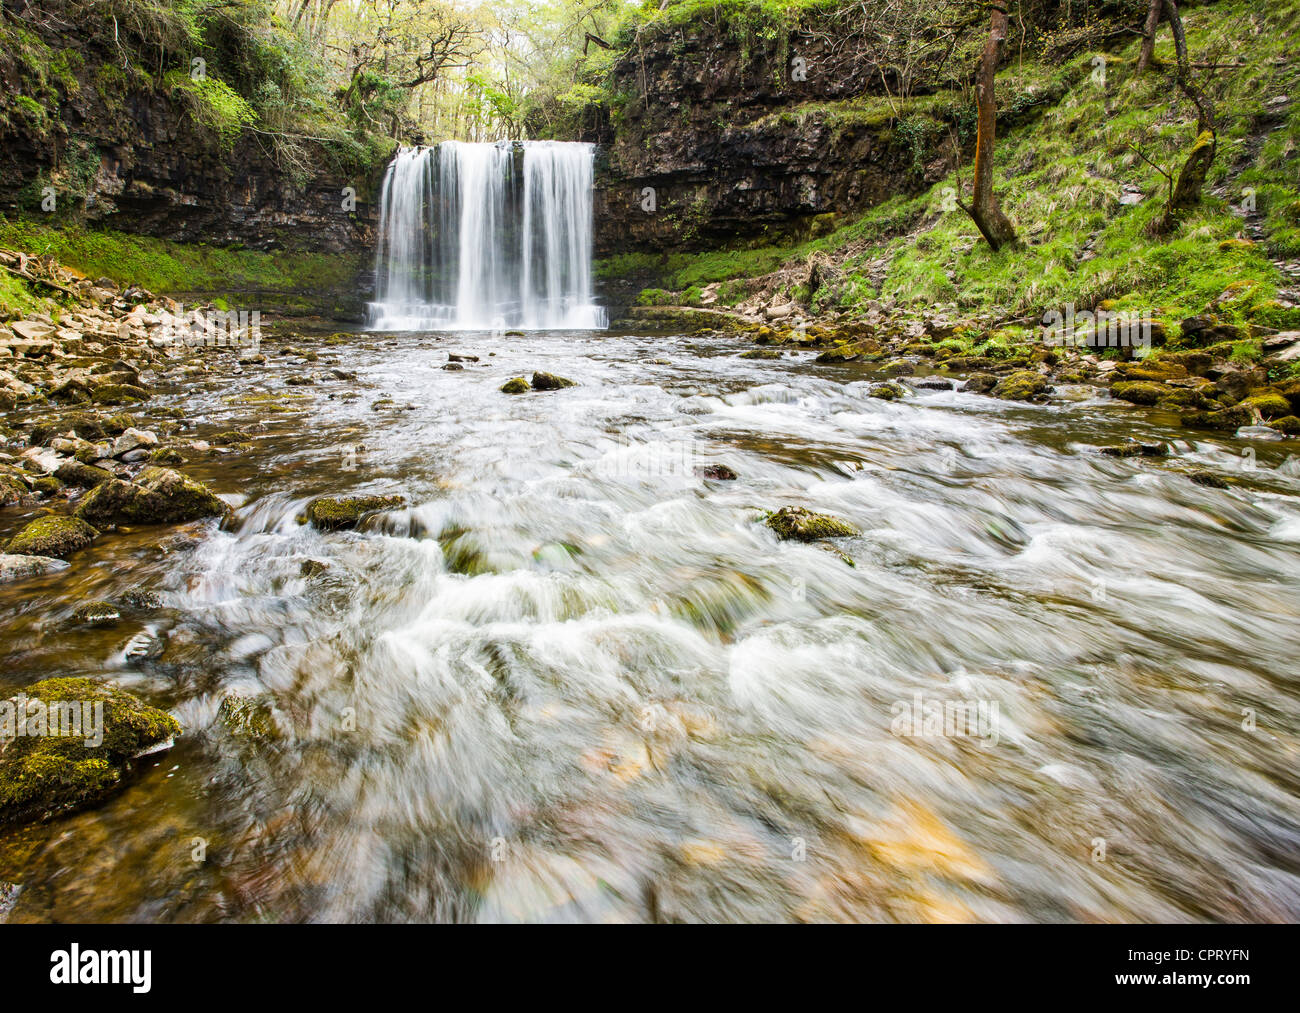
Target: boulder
803	525
331	513
157	496
56	535
80	738
16	567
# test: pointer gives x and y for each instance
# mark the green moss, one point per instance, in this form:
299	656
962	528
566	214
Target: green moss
46	775
803	525
517	385
1269	405
330	513
1023	385
58	536
1139	392
158	496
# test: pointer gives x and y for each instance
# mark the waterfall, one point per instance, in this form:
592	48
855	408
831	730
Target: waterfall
486	237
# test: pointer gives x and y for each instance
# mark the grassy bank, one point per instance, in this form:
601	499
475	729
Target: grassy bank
1083	199
321	283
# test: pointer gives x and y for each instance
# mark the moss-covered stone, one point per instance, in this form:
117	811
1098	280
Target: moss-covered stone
1223	420
43	775
888	391
96	613
118	394
518	385
331	513
1137	450
157	496
57	536
1023	385
1268	404
84	476
761	353
1139	392
248	717
1209	479
803	525
549	381
1288	424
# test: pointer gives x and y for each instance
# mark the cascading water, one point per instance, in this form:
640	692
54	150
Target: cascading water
486	236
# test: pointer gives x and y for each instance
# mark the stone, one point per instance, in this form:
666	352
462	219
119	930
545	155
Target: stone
518	385
16	567
157	496
803	525
332	513
55	535
44	775
549	381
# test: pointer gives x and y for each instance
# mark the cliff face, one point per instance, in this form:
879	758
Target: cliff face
744	135
123	150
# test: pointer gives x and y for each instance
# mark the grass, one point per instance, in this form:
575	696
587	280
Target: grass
304	280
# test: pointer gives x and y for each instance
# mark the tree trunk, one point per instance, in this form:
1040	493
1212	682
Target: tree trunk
1191	179
1149	37
995	226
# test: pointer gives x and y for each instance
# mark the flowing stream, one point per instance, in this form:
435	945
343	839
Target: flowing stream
486	236
577	681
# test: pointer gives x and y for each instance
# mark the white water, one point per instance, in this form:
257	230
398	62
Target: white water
486	237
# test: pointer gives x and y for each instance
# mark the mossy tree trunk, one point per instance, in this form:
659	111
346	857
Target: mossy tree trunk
984	209
1191	178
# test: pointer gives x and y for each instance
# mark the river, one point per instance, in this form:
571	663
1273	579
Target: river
577	681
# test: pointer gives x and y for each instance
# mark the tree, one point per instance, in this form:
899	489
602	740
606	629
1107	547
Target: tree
984	208
1191	180
1149	36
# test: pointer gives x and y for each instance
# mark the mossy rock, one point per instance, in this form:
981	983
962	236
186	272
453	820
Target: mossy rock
803	525
84	476
1139	392
761	353
45	775
849	352
48	486
1023	385
332	513
118	394
96	613
1209	479
1223	420
157	496
1288	424
888	391
1137	450
1185	399
549	381
229	437
1151	369
56	536
980	383
248	717
518	385
1269	405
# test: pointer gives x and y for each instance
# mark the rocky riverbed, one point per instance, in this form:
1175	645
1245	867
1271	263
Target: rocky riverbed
605	647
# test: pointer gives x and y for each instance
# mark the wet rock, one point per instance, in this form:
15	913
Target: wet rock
332	513
85	476
44	775
118	394
888	391
230	437
1209	479
980	383
157	496
717	472
312	568
1138	392
1137	450
518	385
1023	385
1289	424
932	383
17	567
133	439
803	525
141	599
248	717
454	357
96	613
1258	433
1223	420
1208	330
549	381
1269	405
452	367
56	536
